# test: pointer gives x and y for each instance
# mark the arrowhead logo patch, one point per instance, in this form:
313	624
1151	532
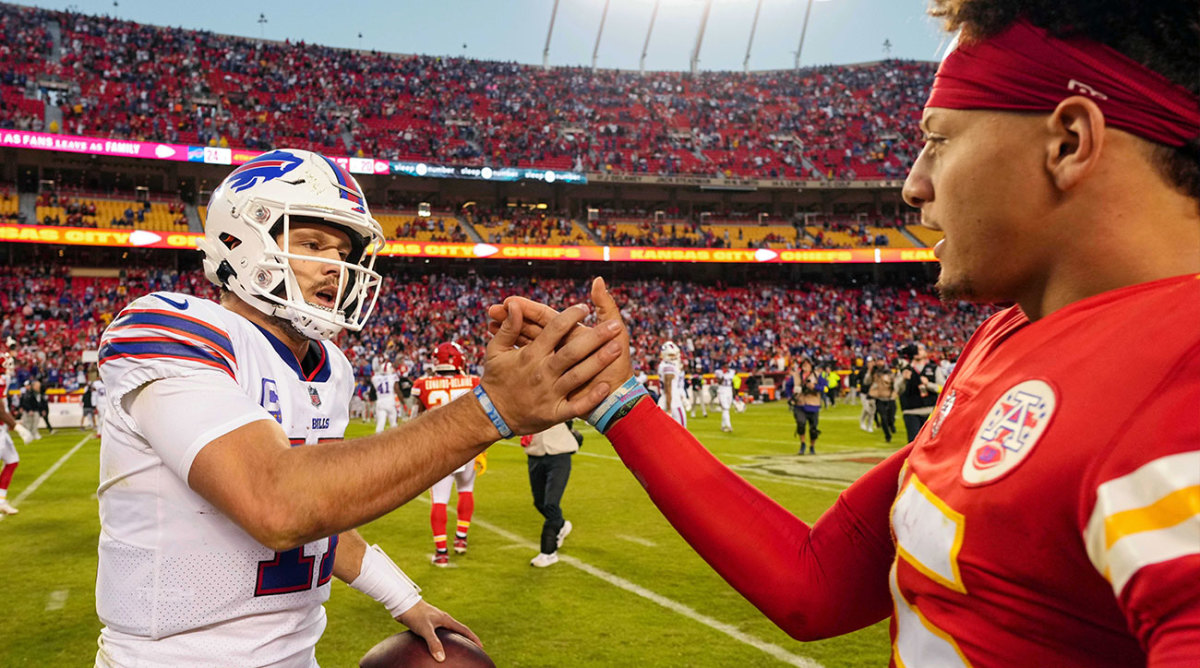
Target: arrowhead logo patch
1010	431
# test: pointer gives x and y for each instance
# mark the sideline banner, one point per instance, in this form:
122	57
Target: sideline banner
78	236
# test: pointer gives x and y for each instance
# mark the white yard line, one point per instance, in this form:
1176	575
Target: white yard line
621	583
640	541
821	485
57	599
49	472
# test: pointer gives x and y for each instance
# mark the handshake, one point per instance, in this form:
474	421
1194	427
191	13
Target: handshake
544	367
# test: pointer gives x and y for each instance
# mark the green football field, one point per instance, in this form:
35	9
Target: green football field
627	590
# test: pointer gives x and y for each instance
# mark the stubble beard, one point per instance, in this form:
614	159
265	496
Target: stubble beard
952	291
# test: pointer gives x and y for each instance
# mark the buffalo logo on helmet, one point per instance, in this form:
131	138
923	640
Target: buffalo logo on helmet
266	167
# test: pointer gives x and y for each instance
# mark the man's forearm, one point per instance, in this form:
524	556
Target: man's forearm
813	582
387	469
347	561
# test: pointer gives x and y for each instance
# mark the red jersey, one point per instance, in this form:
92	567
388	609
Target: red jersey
433	391
1048	514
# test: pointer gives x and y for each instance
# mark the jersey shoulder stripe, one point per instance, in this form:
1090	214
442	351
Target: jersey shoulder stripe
194	331
1146	517
176	325
161	347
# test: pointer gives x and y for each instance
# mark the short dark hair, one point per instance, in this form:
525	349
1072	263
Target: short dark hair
1163	35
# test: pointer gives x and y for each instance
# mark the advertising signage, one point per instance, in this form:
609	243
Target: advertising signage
216	155
77	236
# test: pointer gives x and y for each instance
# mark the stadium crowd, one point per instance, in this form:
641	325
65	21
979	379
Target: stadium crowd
51	317
116	78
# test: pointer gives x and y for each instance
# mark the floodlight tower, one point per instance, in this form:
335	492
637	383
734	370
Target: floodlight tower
596	49
549	32
700	36
646	46
753	28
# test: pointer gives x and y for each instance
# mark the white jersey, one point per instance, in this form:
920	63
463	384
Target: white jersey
172	567
678	389
99	395
385	387
724	381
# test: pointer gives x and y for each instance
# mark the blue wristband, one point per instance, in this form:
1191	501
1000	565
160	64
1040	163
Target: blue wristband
617	405
492	413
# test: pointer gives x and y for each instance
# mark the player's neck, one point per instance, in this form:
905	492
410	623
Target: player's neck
1129	227
281	329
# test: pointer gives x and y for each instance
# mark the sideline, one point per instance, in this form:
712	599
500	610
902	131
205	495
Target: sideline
49	472
774	651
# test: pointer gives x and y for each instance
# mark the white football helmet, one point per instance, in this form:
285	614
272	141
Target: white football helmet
669	352
256	204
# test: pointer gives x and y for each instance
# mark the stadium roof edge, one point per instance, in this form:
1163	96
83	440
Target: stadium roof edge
581	66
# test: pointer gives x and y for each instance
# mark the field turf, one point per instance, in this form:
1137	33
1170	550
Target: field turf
627	591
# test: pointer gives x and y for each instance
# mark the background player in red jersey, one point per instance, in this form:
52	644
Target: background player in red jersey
448	382
1062	161
9	459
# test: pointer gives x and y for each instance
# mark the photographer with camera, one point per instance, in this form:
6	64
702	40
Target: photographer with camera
881	393
918	388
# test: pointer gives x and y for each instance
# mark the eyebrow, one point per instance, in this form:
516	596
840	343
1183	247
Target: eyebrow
926	119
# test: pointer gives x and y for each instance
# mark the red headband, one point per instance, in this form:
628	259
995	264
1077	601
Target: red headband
1026	69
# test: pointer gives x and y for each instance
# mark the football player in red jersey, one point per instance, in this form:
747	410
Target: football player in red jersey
448	382
1062	162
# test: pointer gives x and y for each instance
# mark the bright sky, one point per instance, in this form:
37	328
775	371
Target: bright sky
839	31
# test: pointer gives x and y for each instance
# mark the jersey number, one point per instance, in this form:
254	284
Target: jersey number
291	571
439	397
929	535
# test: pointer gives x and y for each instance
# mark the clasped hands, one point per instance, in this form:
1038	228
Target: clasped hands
543	367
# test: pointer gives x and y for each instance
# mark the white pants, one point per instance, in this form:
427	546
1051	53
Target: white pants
866	420
31	420
8	449
677	413
385	412
725	401
464	477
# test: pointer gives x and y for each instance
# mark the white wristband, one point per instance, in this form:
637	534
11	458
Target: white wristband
383	581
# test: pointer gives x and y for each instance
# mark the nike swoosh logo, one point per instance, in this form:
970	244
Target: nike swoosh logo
182	306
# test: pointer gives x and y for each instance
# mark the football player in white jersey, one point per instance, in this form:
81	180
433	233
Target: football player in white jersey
448	382
99	402
8	450
385	396
670	377
222	518
724	378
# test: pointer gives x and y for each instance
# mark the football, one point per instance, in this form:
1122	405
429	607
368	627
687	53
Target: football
409	650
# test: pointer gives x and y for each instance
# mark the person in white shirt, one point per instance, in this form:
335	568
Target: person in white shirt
549	462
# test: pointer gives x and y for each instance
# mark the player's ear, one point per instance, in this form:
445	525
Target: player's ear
1075	141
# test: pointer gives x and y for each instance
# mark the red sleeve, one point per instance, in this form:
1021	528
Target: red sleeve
813	582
